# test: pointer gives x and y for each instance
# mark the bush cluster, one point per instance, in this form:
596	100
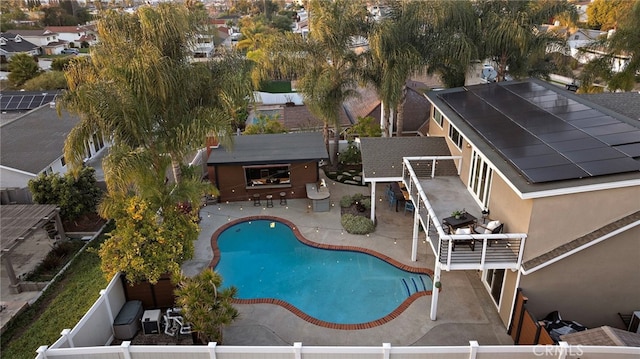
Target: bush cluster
74	195
357	224
347	201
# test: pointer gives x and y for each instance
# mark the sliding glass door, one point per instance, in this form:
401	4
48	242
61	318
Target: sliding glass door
480	179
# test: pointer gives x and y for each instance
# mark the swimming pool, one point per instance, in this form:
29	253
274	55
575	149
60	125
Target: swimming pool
265	260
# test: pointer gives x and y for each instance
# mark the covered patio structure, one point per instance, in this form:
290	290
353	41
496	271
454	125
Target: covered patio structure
430	175
18	222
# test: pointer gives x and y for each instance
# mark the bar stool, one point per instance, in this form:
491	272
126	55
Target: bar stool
269	200
283	198
256	200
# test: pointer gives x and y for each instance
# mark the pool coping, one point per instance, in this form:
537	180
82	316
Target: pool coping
371	324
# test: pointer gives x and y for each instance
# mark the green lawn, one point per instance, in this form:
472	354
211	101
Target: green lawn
60	307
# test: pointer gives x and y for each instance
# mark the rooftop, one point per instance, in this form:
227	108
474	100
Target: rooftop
34	140
272	148
543	138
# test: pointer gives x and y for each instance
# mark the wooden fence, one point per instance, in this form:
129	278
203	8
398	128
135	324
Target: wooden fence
524	328
159	295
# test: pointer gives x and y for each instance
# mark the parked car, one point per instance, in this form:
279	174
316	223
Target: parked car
70	51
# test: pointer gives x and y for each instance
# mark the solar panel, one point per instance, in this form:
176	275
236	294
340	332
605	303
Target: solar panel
24	101
546	135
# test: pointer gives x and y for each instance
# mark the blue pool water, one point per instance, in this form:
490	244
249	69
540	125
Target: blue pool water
264	259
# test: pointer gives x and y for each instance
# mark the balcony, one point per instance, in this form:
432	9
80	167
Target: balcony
435	197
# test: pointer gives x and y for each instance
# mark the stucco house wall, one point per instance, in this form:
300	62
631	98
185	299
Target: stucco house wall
560	219
591	286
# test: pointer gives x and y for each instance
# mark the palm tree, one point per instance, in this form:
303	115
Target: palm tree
323	64
450	41
133	88
207	307
511	34
395	55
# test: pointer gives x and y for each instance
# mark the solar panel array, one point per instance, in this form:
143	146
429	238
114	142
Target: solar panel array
546	135
24	102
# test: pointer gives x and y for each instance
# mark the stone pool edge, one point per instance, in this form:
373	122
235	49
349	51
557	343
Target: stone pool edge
389	317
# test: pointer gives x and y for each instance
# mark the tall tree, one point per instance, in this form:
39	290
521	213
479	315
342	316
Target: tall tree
625	42
512	37
22	68
324	63
137	98
450	41
606	14
394	56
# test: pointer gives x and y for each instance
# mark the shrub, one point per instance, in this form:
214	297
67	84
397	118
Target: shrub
358	197
351	155
75	196
60	63
357	224
346	201
50	80
366	203
365	127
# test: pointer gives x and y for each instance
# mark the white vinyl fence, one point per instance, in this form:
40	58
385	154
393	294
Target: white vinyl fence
386	351
90	339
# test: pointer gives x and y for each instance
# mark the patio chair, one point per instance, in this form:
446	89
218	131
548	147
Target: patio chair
493	227
408	206
392	199
470	242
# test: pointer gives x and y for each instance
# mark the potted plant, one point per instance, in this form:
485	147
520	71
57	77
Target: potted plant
457	214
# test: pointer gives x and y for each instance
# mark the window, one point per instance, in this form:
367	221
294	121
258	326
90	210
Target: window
273	176
455	136
62	161
437	116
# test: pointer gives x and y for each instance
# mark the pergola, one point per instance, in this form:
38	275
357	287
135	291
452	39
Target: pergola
18	222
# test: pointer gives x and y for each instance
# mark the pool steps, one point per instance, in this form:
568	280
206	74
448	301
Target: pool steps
415	285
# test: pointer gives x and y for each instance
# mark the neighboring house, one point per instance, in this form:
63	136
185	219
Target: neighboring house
563	176
48	41
367	104
581	7
11	44
579	40
76	35
33	143
291	112
301	25
266	165
204	46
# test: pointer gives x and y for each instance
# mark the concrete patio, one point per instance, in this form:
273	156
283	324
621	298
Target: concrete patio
465	310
